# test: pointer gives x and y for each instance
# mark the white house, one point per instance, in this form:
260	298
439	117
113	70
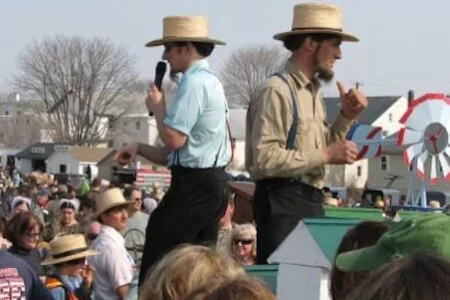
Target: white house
134	128
382	111
75	160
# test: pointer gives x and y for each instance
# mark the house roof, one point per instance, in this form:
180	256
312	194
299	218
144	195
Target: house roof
237	119
89	154
40	151
377	106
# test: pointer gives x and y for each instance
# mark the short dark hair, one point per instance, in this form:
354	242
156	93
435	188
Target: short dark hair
364	234
202	48
420	275
19	225
129	191
294	42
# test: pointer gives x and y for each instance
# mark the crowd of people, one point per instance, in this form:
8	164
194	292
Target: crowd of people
106	241
88	243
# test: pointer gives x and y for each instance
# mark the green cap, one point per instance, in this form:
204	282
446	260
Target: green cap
430	232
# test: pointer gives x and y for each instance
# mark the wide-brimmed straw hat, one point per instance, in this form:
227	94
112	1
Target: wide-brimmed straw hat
68	247
317	18
185	29
109	199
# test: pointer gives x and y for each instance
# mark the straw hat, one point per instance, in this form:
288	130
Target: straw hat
317	18
109	199
68	247
184	29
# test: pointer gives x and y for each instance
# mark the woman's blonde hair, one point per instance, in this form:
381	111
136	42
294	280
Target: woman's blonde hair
184	269
247	229
239	288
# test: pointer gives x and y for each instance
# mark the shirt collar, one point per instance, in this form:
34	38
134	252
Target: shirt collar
199	64
113	234
299	77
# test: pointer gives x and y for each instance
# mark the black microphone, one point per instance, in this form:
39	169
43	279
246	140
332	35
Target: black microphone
160	71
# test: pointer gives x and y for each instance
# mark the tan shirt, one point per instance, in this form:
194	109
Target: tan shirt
269	119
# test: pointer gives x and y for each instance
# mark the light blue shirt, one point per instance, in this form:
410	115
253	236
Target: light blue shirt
199	111
72	282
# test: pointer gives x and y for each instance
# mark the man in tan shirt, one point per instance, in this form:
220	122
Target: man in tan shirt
288	139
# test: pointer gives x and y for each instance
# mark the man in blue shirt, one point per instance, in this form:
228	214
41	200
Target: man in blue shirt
196	138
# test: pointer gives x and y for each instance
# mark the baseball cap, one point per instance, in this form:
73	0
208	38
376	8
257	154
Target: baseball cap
430	232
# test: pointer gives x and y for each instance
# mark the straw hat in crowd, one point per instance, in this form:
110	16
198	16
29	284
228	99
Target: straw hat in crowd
185	29
317	18
68	247
109	199
331	201
435	204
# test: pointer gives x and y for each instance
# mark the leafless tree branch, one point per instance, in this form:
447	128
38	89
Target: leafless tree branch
247	68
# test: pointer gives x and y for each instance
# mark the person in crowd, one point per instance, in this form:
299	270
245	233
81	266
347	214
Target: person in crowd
87	210
23	231
18	280
67	222
134	232
226	225
4	243
364	234
184	269
93	231
243	244
428	232
39	207
240	288
288	139
150	204
114	267
418	276
20	204
196	143
73	277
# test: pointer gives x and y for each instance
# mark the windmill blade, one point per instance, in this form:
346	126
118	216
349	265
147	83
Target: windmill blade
444	166
447	150
412	152
435	109
433	171
420	164
408	137
444	115
419	117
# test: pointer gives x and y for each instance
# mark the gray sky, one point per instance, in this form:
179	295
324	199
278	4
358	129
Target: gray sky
403	45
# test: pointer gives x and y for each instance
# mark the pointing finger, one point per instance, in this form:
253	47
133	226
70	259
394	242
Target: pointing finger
341	88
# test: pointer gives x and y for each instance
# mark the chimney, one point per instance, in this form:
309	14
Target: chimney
410	97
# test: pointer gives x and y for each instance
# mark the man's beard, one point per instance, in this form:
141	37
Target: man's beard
322	73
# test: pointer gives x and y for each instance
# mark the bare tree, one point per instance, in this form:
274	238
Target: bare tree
80	82
247	68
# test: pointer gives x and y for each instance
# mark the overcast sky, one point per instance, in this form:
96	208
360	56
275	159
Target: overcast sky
404	44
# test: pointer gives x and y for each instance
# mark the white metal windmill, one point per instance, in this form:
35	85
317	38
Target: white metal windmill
426	137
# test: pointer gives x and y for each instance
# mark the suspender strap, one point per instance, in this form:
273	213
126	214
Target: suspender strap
290	143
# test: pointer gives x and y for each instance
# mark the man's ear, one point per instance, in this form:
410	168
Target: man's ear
310	45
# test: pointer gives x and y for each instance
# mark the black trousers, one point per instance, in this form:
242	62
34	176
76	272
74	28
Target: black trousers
278	205
188	213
